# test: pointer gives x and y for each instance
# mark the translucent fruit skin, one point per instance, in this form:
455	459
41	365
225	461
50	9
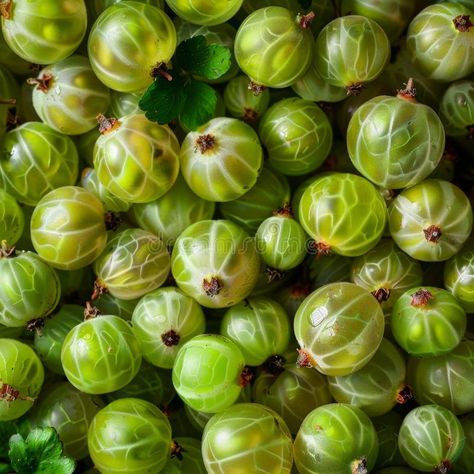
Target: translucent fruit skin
437	48
459	276
394	142
445	380
343	211
259	326
133	263
36	160
68	228
429	435
374	387
70	413
46	31
456	108
29	289
272	48
206	372
334	436
431	202
297	136
12	218
431	329
138	160
126	41
158	313
230	167
74	97
340	327
256	440
20	368
464	462
351	50
130	435
101	355
205	12
215	249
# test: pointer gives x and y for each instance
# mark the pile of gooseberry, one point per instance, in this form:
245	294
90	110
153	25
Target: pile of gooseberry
286	288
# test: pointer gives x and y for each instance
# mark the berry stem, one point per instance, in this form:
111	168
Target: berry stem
304	359
42	83
160	70
443	468
212	286
255	88
245	377
170	338
421	298
463	23
284	211
250	115
205	143
382	294
90	312
409	93
432	233
5	251
306	20
177	451
6	9
107	125
359	466
404	395
354	89
7	101
99	289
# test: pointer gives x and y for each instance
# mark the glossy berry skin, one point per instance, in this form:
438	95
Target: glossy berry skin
45	32
272	48
49	339
392	17
459	276
29	289
375	387
124	103
37	159
440	50
12	218
431	220
73	96
297	136
395	142
241	103
21	375
351	50
292	393
270	192
172	213
445	380
215	262
221	159
331	208
202	12
269	451
386	272
387	427
101	355
127	41
70	413
326	442
456	109
130	435
68	228
100	5
464	462
433	426
339	328
133	263
430	327
163	321
259	326
137	160
207	371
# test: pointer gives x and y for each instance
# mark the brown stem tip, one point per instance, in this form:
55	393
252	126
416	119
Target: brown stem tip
170	338
354	89
98	290
43	83
36	325
304	359
382	294
255	88
409	93
359	466
205	142
421	298
6	9
443	468
321	249
274	365
160	70
284	211
177	451
212	286
9	394
432	233
273	274
306	20
107	125
90	312
250	115
7	101
404	395
6	251
245	377
463	23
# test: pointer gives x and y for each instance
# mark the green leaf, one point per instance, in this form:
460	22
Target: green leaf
201	101
305	4
40	453
163	100
197	57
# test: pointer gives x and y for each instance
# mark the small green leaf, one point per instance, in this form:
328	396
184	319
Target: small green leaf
305	4
200	105
163	100
197	57
40	453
